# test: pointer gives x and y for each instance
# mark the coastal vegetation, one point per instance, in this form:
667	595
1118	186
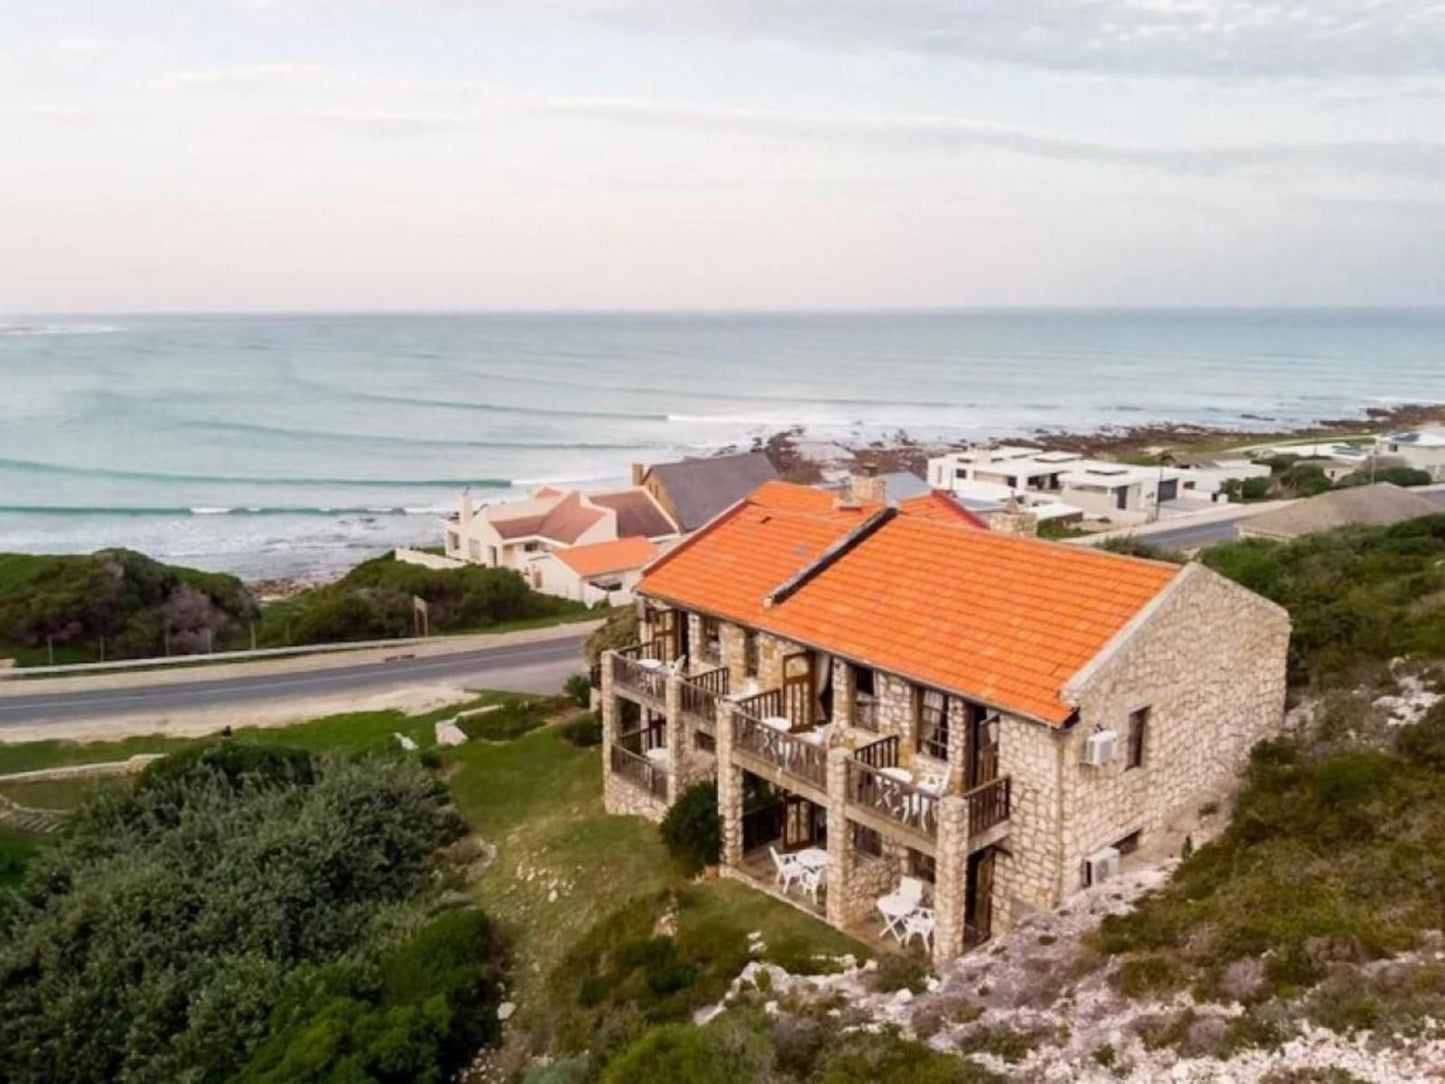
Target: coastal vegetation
1357	597
117	604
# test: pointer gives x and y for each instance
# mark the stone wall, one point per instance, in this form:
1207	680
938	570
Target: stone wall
1026	872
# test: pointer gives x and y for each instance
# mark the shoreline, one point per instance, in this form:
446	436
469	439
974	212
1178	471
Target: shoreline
801	458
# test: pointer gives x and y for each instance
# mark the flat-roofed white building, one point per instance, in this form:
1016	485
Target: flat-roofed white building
1423	450
1119	492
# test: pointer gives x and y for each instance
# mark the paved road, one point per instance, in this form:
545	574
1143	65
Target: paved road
1192	536
529	667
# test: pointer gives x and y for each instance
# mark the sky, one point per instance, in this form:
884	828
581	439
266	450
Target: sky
179	155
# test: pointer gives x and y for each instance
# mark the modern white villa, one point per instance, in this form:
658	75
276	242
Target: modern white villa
1423	450
1097	488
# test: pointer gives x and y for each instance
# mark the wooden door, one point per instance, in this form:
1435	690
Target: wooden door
982	766
978	898
671	634
801	823
798	689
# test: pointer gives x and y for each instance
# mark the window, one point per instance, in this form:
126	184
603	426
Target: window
1129	844
922	866
1138	725
750	653
866	840
711	649
932	724
454	542
474	549
865	703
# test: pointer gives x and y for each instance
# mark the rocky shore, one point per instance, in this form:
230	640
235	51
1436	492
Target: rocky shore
800	457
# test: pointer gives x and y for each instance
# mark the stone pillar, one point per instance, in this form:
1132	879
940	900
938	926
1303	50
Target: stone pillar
958	736
845	692
729	787
610	714
840	843
674	736
950	886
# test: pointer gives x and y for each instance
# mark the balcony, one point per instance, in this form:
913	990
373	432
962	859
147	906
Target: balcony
639	670
761	731
989	805
878	785
641	757
699	696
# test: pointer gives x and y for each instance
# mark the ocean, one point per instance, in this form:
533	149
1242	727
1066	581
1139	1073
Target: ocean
299	445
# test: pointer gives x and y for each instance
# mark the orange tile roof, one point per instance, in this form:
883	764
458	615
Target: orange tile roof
939	506
602	557
1002	619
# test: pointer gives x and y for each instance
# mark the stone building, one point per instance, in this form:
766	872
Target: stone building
894	692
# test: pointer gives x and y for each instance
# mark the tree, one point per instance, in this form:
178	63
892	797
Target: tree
157	940
692	829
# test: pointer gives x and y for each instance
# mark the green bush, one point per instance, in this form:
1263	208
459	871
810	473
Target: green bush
374	601
138	605
584	731
578	689
728	1051
859	1058
159	937
430	1006
1396	476
901	971
619	630
692	829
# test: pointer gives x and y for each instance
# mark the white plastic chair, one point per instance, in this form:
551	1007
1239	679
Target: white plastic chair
911	889
920	923
788	867
812	880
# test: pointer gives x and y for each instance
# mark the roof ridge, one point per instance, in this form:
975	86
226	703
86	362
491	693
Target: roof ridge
836	552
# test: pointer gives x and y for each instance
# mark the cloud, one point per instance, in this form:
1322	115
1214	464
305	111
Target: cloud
1253	38
47	111
254	77
1407	158
384	122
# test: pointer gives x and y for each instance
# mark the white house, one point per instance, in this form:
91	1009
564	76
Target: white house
518	534
1422	450
600	572
1102	489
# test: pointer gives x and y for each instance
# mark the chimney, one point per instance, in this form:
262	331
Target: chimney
464	507
1014	519
865	487
639	472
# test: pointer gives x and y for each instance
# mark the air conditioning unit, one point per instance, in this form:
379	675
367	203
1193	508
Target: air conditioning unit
1099	748
1101	865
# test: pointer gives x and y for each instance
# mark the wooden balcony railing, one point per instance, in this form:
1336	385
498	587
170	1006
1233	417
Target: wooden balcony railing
700	694
629	675
640	772
795	756
908	805
644	739
988	805
763	705
648	649
882	753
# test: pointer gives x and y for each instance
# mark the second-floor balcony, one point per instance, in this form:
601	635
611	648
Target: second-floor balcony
879	784
761	730
639	670
699	695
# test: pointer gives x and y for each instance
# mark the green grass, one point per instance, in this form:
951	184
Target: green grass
348	733
56	793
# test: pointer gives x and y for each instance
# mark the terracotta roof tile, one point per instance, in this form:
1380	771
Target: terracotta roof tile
1005	619
602	557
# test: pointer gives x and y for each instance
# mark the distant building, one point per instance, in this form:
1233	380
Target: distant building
693	491
520	534
1099	488
600	572
1423	450
1376	506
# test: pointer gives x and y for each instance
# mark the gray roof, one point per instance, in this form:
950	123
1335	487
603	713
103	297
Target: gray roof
698	489
1377	505
903	484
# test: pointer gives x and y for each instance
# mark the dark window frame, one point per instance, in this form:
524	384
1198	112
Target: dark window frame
866	840
1138	738
932	722
710	647
751	655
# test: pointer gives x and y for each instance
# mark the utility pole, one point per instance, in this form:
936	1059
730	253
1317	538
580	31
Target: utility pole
253	636
210	642
102	649
50	648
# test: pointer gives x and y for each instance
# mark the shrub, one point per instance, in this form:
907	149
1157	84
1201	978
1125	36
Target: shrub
692	829
1396	476
900	971
159	937
578	689
619	630
874	1059
728	1051
508	721
584	731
